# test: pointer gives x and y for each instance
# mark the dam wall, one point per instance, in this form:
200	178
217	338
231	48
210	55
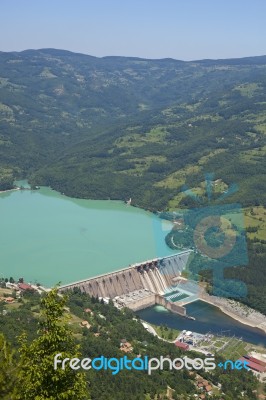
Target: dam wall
109	285
140	285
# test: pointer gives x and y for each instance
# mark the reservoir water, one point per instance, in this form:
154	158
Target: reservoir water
48	238
208	319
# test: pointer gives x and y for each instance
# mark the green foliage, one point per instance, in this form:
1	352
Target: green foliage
37	377
16	322
8	370
6	178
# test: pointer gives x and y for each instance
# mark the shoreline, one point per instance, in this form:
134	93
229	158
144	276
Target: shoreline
9	190
223	304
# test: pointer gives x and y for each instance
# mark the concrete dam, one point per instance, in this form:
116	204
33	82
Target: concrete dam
140	285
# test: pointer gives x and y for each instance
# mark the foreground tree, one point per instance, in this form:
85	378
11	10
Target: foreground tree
8	371
38	379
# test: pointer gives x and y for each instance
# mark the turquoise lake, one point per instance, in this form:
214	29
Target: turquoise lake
48	238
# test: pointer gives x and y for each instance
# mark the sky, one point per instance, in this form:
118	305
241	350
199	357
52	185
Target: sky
180	29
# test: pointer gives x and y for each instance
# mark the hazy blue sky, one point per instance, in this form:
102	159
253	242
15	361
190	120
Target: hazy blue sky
181	29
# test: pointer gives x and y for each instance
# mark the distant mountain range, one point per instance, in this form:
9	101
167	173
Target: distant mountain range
119	127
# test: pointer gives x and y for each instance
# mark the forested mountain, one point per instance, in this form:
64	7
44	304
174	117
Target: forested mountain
120	128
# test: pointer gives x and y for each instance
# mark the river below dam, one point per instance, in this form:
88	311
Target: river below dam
48	238
208	318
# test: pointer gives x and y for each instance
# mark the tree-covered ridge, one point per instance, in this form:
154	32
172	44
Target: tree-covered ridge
151	162
115	127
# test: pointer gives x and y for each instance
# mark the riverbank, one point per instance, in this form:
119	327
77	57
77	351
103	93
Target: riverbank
9	190
238	311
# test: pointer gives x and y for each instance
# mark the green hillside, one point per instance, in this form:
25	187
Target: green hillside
116	127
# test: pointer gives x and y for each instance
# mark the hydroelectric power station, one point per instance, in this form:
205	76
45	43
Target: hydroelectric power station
156	281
